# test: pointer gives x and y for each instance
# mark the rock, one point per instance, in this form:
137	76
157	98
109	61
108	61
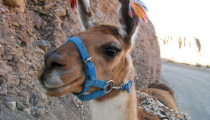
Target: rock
57	21
2	10
22	28
44	24
48	6
28	63
99	14
7	57
41	12
39	51
35	2
4	69
60	12
23	93
40	8
16	58
13	82
2	72
27	111
11	105
59	29
37	112
33	99
43	44
15	24
21	64
37	20
20	106
22	37
14	2
43	97
47	107
3	93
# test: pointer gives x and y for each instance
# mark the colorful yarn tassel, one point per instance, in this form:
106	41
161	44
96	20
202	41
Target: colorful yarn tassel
73	4
138	9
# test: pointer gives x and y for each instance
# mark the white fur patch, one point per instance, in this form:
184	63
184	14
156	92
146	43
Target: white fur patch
80	21
122	29
89	23
131	73
121	26
87	3
54	80
134	36
111	109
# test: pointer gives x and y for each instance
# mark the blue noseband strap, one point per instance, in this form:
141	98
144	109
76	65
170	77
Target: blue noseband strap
90	72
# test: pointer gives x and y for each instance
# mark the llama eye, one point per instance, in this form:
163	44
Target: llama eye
112	52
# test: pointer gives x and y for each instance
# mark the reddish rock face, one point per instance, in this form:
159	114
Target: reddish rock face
146	56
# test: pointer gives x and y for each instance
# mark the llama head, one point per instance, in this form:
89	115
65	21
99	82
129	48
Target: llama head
108	46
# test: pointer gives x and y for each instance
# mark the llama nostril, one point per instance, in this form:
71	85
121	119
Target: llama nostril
55	64
52	59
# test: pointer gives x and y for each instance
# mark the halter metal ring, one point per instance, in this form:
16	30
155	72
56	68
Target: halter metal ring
111	84
88	60
77	103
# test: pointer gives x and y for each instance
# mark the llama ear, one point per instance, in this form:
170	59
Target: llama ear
130	13
84	11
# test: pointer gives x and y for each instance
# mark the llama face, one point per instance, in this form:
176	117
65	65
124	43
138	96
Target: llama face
64	69
107	45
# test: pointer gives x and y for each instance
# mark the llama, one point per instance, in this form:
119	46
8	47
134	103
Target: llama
109	47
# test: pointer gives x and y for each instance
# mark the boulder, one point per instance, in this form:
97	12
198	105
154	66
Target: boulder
37	20
11	105
60	12
48	6
43	44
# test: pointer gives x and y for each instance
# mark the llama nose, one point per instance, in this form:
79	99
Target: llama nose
52	59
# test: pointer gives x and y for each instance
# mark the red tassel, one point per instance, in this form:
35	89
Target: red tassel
73	4
138	9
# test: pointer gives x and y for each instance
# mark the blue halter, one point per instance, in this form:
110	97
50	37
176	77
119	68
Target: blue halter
90	72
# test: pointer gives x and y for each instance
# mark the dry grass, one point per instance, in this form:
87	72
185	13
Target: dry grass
198	65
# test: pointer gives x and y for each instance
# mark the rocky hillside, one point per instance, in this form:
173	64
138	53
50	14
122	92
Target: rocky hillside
29	28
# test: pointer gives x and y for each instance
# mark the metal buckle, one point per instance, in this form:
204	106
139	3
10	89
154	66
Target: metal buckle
117	87
88	60
111	84
78	103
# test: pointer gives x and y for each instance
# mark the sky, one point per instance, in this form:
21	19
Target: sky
183	17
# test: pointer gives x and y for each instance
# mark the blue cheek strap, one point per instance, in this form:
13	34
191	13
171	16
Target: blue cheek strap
90	72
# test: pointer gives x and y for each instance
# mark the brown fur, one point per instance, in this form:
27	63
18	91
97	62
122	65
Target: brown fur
161	87
143	115
64	66
163	96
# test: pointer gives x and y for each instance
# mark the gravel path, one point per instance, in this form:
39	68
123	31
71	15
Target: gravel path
192	89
